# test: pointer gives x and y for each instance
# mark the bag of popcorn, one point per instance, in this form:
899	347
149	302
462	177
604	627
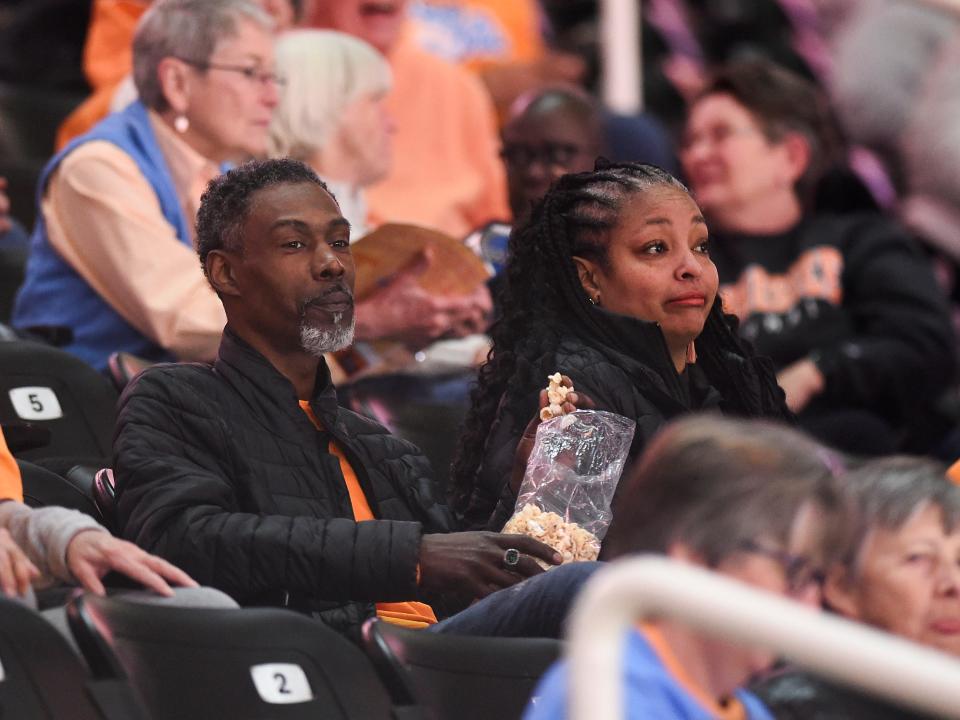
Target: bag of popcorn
573	471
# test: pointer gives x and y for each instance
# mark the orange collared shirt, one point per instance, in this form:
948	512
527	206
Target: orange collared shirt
407	614
733	709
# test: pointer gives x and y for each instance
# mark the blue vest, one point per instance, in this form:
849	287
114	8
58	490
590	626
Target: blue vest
53	294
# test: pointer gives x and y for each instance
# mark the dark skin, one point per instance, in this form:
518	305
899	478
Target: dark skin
553	121
296	255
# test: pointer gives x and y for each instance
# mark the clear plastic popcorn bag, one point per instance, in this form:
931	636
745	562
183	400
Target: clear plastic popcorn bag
573	471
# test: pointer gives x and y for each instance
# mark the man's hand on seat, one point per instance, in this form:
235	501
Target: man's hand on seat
473	562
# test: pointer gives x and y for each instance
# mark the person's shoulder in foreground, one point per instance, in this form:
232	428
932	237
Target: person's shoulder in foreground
651	691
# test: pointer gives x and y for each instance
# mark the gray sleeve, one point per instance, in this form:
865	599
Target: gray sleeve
44	534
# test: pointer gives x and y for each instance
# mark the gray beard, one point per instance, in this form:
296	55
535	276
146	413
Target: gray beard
317	342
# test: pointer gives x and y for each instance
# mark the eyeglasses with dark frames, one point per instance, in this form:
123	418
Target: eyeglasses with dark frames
520	155
800	571
264	77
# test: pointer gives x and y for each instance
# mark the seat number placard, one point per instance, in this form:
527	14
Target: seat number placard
35	403
281	683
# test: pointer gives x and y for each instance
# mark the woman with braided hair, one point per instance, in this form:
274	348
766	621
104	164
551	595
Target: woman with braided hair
610	282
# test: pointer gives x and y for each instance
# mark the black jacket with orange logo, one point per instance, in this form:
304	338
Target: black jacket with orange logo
855	294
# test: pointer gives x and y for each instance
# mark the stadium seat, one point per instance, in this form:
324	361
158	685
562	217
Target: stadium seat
457	677
123	367
43	679
43	487
104	491
251	664
50	388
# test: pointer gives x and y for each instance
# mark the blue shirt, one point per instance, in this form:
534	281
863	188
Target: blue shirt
651	691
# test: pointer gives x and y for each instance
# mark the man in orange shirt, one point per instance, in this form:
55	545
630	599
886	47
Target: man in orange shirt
249	473
446	173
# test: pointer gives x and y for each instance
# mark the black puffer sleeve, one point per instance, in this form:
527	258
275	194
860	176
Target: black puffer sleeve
178	472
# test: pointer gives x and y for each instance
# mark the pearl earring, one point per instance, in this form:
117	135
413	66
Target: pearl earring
181	124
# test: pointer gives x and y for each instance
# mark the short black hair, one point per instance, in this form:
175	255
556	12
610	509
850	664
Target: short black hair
226	201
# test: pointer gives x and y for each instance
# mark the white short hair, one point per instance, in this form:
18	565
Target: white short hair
324	71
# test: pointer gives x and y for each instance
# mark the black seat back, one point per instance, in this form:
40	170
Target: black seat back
458	677
42	678
43	487
239	664
50	388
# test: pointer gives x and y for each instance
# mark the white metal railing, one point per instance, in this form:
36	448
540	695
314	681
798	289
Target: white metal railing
845	652
621	60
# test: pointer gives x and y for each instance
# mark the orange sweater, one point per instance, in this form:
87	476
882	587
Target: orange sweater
107	60
408	614
446	170
11	484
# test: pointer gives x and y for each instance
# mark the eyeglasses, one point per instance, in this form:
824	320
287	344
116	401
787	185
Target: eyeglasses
263	77
717	135
800	571
521	155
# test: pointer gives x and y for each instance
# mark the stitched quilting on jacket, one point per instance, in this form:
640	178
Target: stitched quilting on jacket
220	471
637	380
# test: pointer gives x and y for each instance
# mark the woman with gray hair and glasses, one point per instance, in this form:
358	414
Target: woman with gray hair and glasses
112	259
900	572
751	500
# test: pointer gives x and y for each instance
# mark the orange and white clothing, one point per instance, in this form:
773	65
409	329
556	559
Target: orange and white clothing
107	61
407	614
446	172
104	218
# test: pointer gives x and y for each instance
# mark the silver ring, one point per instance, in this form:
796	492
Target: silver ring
511	557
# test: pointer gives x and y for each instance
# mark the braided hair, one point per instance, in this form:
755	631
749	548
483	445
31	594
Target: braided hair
574	218
542	297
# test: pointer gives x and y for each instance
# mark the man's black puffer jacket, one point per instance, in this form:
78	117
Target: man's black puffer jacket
220	471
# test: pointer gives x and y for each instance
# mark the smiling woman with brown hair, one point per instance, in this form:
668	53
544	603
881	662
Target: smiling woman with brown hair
610	283
846	306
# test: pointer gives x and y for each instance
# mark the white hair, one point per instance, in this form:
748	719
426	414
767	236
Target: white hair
318	341
324	71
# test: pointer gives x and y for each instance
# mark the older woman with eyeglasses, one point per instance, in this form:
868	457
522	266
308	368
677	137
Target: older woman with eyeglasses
751	500
900	572
112	257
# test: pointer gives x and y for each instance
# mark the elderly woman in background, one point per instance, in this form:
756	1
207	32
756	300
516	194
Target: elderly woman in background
112	259
750	500
332	116
900	573
845	305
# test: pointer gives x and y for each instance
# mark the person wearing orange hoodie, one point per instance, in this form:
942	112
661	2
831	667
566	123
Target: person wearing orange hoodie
446	172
